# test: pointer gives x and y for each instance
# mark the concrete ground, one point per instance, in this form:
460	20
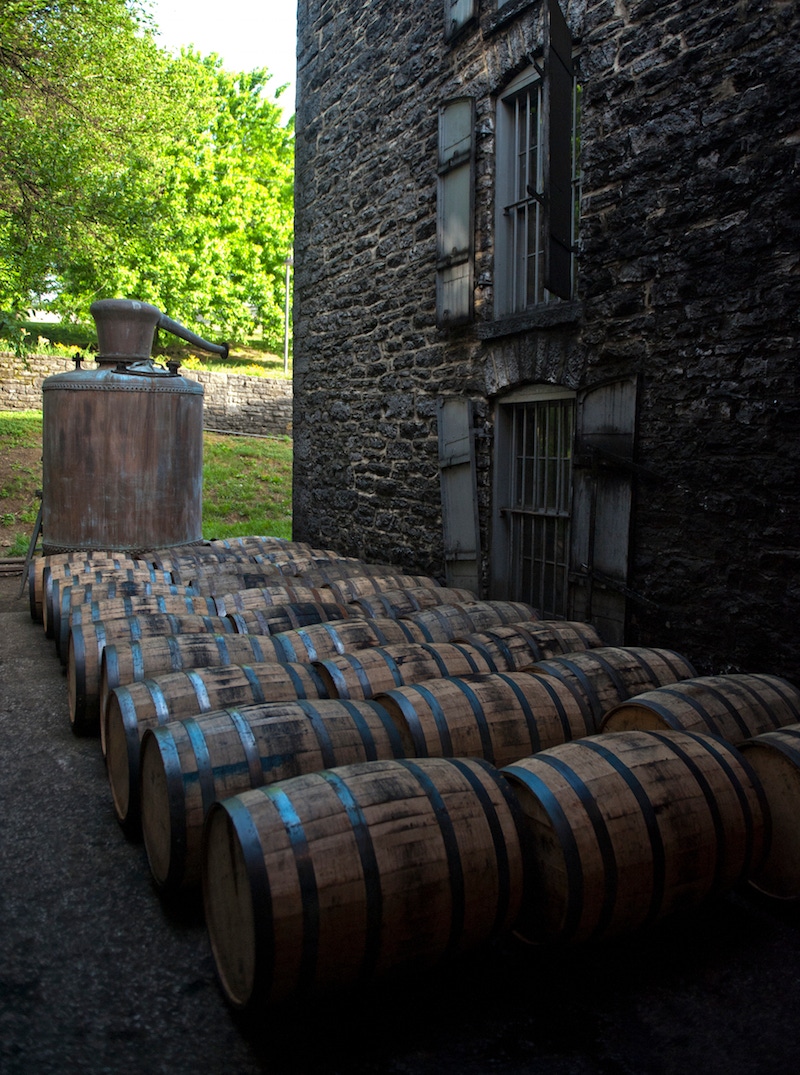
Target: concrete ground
98	975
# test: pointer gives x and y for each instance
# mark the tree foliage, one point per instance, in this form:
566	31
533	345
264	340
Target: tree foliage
127	171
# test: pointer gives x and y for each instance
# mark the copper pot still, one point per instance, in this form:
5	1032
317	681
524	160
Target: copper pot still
122	445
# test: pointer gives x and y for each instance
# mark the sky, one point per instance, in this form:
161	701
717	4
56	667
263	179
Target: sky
245	33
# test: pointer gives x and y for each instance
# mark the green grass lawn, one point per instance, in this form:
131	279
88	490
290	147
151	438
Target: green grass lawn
247	483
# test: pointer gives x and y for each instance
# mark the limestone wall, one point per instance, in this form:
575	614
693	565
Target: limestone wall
687	277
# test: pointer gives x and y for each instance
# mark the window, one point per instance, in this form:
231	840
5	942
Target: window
563	494
535	432
537	178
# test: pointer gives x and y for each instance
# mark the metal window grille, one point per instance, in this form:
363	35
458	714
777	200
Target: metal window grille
524	208
522	239
541	435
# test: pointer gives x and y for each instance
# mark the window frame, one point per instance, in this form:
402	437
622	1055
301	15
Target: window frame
515	521
537	206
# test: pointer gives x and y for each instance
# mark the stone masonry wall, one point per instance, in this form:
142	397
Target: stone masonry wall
232	403
687	276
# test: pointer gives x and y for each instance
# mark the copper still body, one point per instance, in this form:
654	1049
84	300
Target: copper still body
122	460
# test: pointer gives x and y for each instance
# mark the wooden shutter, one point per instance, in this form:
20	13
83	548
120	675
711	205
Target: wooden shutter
602	500
457	13
557	164
459	492
455	253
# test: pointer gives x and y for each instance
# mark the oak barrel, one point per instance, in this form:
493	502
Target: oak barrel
365	673
221	549
612	674
85	650
265	597
132	661
499	717
337	877
113	574
120	607
518	645
188	764
447	622
69	598
736	707
320	640
349	589
63	564
212	583
775	757
627	827
275	619
396	603
131	710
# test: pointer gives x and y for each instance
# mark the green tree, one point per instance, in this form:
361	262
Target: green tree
126	171
86	98
216	245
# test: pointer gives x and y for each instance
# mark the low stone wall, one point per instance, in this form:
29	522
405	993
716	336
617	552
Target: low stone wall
232	403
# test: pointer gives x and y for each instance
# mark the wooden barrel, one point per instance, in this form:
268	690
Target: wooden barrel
183	565
231	568
124	579
368	672
447	622
131	710
499	717
334	569
735	707
186	765
290	564
85	651
114	608
137	659
396	603
340	876
266	596
518	645
111	608
612	674
42	569
276	619
627	827
351	588
320	640
68	598
221	549
775	758
216	585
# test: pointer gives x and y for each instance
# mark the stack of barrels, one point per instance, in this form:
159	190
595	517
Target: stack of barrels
364	769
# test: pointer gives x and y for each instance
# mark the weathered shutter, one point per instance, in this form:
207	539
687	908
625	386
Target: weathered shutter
557	104
457	13
602	499
455	257
459	492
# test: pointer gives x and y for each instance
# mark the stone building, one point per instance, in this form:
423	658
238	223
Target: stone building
546	308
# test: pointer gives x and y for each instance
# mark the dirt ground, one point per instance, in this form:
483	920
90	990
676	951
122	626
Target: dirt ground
97	974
